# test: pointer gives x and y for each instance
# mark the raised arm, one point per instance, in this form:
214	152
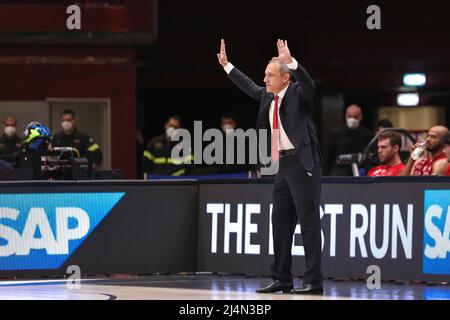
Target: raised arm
410	164
305	81
239	78
222	55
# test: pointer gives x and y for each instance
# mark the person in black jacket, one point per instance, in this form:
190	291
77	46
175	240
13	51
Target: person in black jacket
10	142
349	138
70	136
229	125
157	157
286	112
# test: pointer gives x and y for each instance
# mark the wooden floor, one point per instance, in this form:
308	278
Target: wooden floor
206	287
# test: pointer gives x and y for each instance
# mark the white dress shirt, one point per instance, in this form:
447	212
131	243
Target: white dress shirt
285	143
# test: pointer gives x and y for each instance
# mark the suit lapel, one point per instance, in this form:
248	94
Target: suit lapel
286	97
284	102
263	116
266	105
264	122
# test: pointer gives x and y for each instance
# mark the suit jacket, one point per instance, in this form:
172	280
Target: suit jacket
296	113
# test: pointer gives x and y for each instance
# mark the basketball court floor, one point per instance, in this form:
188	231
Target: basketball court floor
206	287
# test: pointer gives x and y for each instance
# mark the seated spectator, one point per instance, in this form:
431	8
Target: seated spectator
383	124
432	157
157	157
228	125
372	161
70	136
351	137
389	145
10	142
444	170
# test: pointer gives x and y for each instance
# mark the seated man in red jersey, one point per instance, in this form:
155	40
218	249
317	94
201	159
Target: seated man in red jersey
432	156
389	145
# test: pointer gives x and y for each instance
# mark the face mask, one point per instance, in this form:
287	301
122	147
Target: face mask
10	131
169	132
352	123
227	128
66	125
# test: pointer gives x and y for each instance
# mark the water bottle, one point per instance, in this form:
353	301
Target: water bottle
418	151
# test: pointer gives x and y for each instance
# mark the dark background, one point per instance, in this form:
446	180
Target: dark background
157	58
181	75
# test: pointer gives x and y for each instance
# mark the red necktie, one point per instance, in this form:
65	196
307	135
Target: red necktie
275	131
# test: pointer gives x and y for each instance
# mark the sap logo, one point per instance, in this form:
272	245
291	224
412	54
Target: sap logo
58	243
41	231
436	240
441	239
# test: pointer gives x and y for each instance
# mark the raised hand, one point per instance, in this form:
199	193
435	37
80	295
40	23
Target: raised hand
222	56
283	52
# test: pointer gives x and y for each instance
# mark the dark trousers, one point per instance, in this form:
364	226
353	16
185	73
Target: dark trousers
296	197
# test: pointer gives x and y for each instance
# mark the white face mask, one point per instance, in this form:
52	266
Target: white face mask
169	132
10	131
227	128
66	125
352	123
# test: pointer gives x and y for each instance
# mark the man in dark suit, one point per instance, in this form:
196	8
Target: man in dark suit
286	109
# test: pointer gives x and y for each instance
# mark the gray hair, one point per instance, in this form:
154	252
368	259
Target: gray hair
284	69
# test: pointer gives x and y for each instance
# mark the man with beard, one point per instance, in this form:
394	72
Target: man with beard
389	144
431	160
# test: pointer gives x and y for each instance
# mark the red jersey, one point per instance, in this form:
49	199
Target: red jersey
424	166
447	173
385	170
